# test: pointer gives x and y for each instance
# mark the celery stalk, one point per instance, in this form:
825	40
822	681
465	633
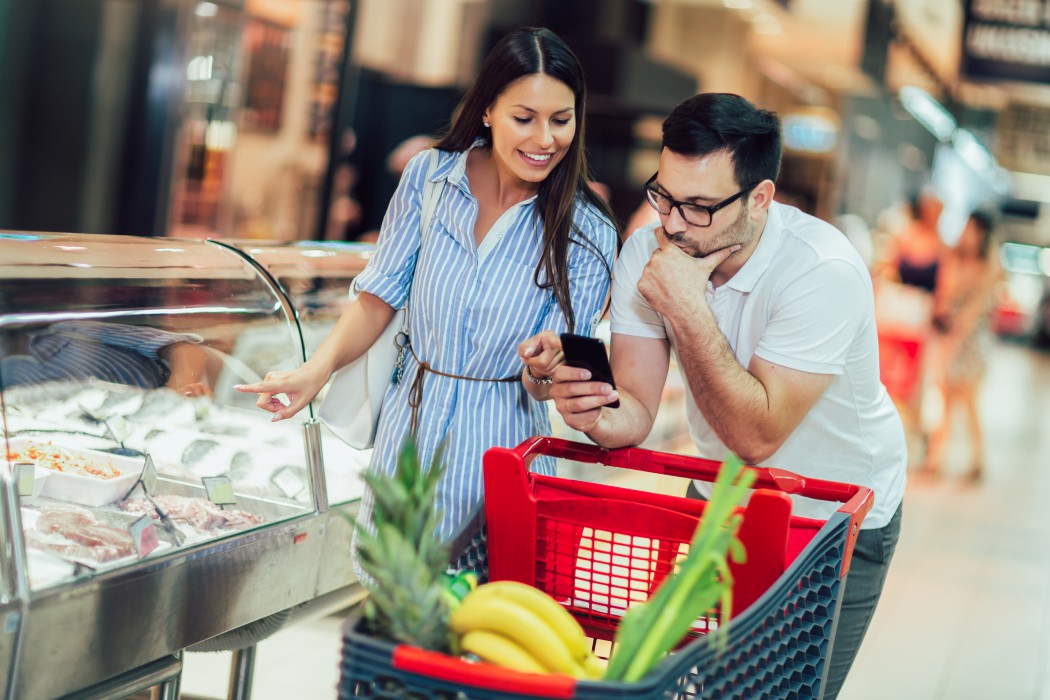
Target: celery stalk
648	631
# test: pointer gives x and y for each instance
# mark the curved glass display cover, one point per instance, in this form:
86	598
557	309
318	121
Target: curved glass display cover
119	358
317	277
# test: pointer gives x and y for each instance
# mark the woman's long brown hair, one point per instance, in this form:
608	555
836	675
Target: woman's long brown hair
522	53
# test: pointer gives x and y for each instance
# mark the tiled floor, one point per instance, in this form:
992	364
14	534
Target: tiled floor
966	609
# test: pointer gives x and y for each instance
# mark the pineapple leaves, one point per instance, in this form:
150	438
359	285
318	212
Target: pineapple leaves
402	555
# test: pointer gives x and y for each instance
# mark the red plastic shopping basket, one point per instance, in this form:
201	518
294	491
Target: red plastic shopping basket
901	353
598	549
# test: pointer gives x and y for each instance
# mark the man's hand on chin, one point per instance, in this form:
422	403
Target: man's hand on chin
672	277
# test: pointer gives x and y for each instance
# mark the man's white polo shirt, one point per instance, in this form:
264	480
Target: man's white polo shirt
803	300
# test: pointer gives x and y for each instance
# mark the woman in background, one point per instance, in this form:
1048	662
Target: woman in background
965	295
914	255
907	274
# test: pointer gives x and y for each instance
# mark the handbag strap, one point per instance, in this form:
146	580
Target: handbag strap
431	194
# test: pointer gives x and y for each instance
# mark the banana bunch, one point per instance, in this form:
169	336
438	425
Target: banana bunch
516	626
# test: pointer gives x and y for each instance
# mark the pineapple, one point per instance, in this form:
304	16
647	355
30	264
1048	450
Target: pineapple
403	557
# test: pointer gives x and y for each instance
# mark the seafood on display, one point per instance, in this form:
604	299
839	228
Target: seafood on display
78	533
198	513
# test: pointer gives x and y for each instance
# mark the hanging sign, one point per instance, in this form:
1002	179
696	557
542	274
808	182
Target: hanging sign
1023	138
811	130
1007	40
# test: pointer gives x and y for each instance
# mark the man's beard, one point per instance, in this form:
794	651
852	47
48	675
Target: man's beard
741	231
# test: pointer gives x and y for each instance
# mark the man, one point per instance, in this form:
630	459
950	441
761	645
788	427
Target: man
771	315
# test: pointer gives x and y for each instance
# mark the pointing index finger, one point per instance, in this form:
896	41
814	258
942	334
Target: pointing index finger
529	348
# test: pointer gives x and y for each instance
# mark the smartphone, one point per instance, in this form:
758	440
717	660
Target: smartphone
589	353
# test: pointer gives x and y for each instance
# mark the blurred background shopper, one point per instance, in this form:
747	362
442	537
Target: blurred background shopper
965	297
518	244
906	283
913	256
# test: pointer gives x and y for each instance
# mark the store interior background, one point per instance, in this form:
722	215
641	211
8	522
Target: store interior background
276	119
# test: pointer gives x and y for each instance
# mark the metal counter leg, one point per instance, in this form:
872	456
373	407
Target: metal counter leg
241	671
169	689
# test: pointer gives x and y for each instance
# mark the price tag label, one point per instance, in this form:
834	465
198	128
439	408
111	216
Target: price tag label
25	475
149	475
143	535
219	490
288	482
119	428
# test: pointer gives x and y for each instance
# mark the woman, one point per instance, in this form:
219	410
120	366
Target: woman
966	288
910	270
913	257
519	249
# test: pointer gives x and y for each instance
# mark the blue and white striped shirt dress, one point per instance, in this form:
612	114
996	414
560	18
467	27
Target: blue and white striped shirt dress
470	308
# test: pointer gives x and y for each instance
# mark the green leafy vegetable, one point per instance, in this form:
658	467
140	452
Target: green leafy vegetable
649	631
402	555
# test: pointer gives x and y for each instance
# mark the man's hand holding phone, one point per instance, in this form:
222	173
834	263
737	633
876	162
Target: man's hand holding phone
584	383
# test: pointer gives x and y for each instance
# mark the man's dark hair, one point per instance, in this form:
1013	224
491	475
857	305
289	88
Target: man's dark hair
717	121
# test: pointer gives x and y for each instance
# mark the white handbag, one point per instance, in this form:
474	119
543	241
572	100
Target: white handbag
351	407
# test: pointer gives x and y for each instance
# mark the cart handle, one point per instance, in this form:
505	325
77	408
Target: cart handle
857	500
432	664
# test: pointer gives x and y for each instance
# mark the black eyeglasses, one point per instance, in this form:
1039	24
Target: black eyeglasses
693	214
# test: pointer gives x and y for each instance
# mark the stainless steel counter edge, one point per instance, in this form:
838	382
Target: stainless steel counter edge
86	632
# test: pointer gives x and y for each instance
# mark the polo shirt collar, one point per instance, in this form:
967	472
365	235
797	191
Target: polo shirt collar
747	276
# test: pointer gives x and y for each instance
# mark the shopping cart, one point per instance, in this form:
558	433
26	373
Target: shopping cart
599	548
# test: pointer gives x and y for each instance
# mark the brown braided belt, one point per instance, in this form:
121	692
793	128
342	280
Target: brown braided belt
415	392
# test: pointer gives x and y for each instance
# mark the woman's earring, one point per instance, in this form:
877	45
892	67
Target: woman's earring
487	125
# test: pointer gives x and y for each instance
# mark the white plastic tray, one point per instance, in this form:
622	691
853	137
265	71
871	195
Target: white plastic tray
85	490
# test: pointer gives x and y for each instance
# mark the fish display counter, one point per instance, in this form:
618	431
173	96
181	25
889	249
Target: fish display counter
148	506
